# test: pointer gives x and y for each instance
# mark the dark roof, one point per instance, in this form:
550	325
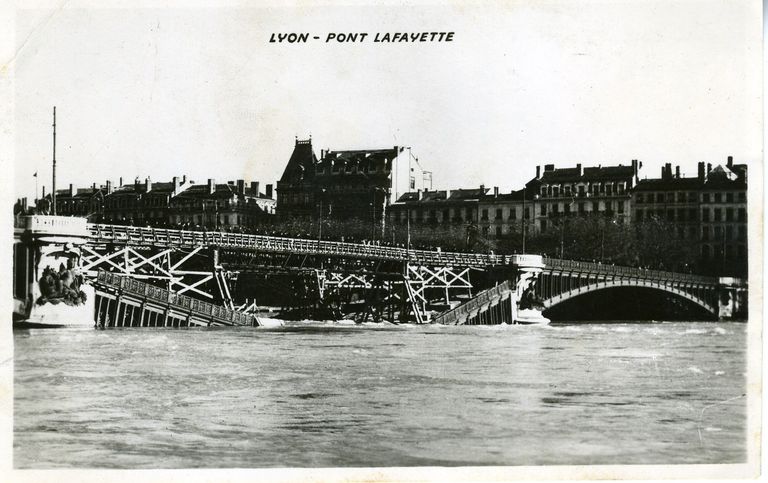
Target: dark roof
440	195
589	174
512	196
221	191
656	184
301	164
358	155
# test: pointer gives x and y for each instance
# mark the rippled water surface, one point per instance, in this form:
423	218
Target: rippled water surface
331	395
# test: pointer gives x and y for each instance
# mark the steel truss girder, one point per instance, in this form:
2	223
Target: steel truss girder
160	266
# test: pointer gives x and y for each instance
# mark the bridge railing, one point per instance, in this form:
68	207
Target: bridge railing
126	234
162	295
452	316
622	271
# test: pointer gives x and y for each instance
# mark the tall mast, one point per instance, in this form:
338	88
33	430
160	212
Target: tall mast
53	191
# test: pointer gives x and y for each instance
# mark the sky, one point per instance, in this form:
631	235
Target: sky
200	91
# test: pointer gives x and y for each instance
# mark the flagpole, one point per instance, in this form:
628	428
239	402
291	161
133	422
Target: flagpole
53	191
35	188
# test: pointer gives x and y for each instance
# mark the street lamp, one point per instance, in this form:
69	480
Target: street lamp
320	228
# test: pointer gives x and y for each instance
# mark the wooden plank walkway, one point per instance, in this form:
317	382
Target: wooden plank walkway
490	307
125	302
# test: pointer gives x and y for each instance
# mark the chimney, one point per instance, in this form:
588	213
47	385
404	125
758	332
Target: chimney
24	205
148	184
183	179
663	172
730	161
121	181
241	186
701	170
71	190
418	195
482	189
94	186
669	169
447	194
549	167
175	184
634	166
709	167
269	191
538	172
495	191
677	171
255	187
211	186
580	169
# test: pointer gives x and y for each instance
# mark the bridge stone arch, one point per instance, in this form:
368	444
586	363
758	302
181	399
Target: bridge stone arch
639	283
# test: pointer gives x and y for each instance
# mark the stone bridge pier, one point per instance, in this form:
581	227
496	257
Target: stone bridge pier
731	298
526	306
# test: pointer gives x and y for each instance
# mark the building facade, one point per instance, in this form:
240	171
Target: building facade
345	185
229	206
709	212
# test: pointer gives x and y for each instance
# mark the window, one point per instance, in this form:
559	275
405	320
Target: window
670	215
742	233
498	213
556	191
705	214
691	196
498	231
485	230
513	213
680	214
567	190
445	216
742	197
705	233
544	190
718	197
691	214
595	206
543	226
527	214
639	198
729	197
581	208
659	197
543	209
485	215
718	214
729	214
742	214
621	207
728	233
581	190
705	197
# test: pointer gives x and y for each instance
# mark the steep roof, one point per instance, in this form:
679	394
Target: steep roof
657	184
301	164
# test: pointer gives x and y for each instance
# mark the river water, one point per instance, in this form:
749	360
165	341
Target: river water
381	395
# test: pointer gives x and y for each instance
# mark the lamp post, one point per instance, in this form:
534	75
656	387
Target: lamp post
320	225
524	220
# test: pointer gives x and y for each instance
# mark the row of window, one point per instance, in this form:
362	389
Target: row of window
729	252
691	214
352	167
691	197
596	189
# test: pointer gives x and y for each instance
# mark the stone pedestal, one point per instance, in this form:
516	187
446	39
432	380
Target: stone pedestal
527	270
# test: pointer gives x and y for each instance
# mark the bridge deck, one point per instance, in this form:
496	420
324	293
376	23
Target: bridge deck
474	308
151	294
160	237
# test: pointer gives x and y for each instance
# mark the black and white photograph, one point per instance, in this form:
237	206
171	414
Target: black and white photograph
382	241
